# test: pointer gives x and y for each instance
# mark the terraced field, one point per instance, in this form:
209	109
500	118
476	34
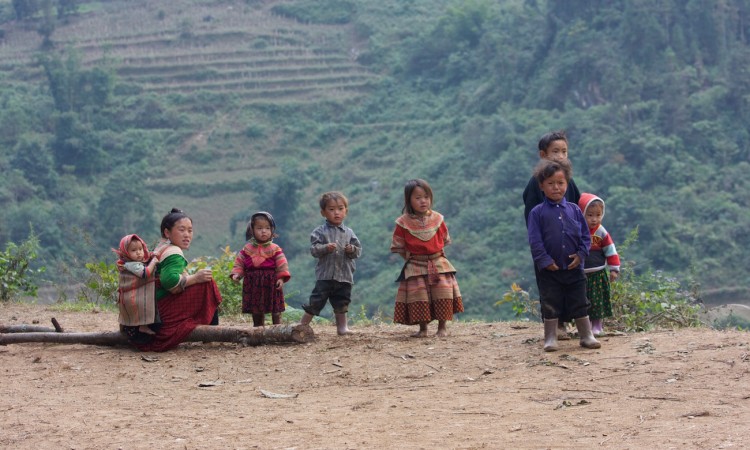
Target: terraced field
225	46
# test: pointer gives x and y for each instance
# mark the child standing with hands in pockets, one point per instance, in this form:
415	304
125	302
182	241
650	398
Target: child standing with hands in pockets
335	246
263	267
602	257
136	294
559	241
427	288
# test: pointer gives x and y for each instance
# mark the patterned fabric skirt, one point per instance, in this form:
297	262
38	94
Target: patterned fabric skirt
181	313
259	293
418	301
597	291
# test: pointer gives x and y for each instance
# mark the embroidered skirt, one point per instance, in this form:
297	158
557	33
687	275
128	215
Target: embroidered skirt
597	291
259	293
426	298
181	313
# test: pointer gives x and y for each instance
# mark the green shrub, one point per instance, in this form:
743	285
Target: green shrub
16	274
100	288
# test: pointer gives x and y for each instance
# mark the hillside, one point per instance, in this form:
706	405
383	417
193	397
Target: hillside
125	109
489	385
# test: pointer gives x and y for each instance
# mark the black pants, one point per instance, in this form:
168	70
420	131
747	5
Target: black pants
562	294
339	293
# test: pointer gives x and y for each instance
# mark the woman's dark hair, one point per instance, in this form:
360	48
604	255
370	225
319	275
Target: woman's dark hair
172	217
551	137
254	218
409	188
548	167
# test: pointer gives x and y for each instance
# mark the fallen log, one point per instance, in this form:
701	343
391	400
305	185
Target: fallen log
25	329
275	334
31	328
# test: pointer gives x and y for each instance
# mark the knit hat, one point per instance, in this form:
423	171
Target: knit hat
585	201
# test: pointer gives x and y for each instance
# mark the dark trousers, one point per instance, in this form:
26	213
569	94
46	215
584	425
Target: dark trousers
562	294
339	294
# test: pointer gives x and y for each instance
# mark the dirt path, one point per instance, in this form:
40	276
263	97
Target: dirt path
487	386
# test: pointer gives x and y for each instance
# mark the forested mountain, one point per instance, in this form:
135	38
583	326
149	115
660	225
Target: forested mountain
115	111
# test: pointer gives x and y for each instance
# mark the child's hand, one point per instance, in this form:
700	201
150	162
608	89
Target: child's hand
552	267
349	248
613	276
279	284
234	277
576	261
331	247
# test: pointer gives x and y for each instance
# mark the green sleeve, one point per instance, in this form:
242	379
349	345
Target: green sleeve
169	272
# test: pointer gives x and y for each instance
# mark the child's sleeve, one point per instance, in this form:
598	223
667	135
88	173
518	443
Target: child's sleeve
282	266
532	196
238	268
354	242
610	252
398	242
443	230
585	243
318	243
536	242
136	268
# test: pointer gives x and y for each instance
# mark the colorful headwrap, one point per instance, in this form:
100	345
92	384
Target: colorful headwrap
122	252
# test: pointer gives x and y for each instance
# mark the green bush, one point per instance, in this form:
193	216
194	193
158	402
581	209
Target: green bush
100	288
16	274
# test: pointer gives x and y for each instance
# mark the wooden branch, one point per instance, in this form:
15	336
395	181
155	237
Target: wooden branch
25	329
275	334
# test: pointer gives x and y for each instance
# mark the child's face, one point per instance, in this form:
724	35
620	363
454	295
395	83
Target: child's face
594	215
135	250
262	230
555	186
557	151
420	201
335	212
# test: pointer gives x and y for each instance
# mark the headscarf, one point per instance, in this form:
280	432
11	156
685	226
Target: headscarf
122	252
266	215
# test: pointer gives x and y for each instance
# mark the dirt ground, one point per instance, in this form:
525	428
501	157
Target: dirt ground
489	385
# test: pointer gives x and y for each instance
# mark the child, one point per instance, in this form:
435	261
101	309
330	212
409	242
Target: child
559	240
136	292
335	246
427	287
264	268
553	146
602	253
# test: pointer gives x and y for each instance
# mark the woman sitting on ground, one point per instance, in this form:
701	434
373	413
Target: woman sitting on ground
184	301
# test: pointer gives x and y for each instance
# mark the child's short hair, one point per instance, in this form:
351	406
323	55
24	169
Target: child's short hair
547	168
333	196
409	188
254	218
551	137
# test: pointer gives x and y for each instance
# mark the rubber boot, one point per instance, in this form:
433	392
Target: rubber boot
341	326
306	319
550	335
596	327
587	338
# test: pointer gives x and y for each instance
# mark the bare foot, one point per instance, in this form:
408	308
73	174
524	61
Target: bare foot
146	330
420	334
345	332
441	332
